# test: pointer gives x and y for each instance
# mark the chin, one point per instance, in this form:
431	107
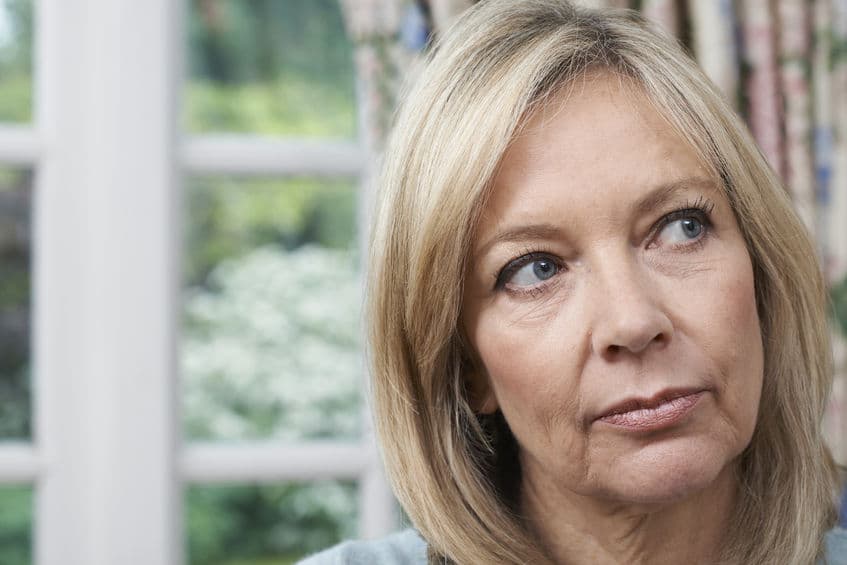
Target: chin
666	473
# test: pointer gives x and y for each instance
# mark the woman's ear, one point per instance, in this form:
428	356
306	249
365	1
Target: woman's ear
480	393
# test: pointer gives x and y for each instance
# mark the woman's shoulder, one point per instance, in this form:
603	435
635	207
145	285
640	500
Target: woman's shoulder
408	548
836	547
403	548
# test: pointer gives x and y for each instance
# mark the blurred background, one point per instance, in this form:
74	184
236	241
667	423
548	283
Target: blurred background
184	194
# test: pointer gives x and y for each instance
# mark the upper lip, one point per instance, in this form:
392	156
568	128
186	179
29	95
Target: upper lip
642	402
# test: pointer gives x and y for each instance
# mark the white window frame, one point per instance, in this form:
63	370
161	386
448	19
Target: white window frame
106	459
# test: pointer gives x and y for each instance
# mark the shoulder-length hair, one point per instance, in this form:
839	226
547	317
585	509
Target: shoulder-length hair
500	61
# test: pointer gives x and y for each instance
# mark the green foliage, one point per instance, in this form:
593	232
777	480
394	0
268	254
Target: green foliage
270	67
238	42
15	282
15	97
15	525
16	54
16	62
15	189
247	524
291	107
838	295
229	217
15	211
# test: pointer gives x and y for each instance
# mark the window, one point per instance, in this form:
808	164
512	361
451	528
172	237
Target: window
270	358
167	189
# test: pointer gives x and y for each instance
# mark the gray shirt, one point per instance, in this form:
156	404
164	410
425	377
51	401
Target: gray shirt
408	548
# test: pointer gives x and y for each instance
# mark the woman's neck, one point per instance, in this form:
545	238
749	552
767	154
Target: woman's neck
575	529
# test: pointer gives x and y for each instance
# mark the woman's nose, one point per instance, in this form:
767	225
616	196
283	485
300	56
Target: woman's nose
628	312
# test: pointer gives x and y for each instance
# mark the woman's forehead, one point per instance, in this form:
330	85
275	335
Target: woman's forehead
600	83
597	146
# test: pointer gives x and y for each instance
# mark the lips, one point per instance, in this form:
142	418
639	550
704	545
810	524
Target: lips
659	411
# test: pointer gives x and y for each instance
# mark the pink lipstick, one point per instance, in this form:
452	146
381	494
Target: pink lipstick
656	413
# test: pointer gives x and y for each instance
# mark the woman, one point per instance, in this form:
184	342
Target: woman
598	329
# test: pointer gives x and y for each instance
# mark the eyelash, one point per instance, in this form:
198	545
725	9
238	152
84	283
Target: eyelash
700	209
518	263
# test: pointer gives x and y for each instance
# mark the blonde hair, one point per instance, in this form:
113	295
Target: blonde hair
502	59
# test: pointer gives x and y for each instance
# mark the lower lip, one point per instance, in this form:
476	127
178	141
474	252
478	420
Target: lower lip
649	419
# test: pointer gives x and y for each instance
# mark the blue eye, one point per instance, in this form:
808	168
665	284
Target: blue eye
682	230
533	272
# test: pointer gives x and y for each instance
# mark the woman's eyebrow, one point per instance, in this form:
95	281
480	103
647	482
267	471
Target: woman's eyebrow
520	233
670	190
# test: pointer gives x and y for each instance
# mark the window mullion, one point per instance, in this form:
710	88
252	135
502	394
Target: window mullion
19	145
269	461
255	155
105	293
19	463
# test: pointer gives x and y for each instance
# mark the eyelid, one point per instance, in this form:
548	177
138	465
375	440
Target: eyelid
700	208
677	215
517	263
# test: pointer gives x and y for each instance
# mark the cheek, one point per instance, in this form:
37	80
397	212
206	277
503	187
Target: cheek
731	337
749	357
531	368
515	358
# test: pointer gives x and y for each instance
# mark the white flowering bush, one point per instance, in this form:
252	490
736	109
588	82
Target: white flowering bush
273	348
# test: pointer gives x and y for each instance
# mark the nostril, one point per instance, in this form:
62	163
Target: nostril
635	344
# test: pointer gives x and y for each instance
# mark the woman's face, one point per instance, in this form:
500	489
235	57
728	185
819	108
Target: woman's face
610	300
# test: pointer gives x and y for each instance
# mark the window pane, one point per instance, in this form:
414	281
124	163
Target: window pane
269	67
15	525
271	345
16	39
15	261
264	525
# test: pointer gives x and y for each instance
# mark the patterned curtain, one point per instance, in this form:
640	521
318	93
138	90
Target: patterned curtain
781	63
374	28
388	35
